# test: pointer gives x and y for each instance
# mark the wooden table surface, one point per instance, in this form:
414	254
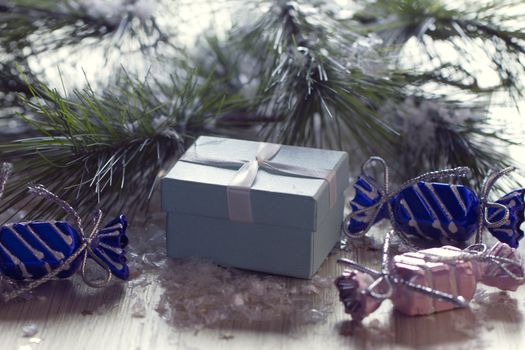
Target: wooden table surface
70	315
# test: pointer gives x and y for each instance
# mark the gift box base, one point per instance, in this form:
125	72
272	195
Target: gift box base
272	249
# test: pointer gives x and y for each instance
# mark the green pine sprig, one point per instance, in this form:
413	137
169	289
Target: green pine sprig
31	29
313	90
438	133
455	40
105	151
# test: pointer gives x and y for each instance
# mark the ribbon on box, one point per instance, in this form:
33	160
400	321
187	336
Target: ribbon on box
238	190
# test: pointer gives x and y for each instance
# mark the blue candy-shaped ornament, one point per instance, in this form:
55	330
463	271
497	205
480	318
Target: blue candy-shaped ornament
436	211
37	251
31	250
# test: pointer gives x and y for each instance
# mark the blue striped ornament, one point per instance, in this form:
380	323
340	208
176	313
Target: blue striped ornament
437	211
30	250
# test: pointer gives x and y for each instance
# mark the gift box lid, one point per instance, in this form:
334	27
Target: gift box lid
283	200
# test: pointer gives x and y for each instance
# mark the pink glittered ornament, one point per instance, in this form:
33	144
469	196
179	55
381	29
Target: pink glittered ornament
430	280
457	278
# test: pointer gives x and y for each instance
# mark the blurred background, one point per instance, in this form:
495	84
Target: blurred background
98	98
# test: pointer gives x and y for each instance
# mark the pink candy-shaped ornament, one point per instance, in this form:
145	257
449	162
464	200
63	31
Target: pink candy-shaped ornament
457	278
430	280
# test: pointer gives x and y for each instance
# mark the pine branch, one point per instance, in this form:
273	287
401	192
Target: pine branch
470	35
60	24
318	83
105	151
19	22
30	30
439	133
303	106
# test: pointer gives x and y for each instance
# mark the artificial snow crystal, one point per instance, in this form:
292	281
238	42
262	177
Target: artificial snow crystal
141	281
227	336
138	310
29	330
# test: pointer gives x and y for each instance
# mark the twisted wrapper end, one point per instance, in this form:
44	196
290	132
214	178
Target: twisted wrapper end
353	293
109	245
502	267
505	218
486	206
